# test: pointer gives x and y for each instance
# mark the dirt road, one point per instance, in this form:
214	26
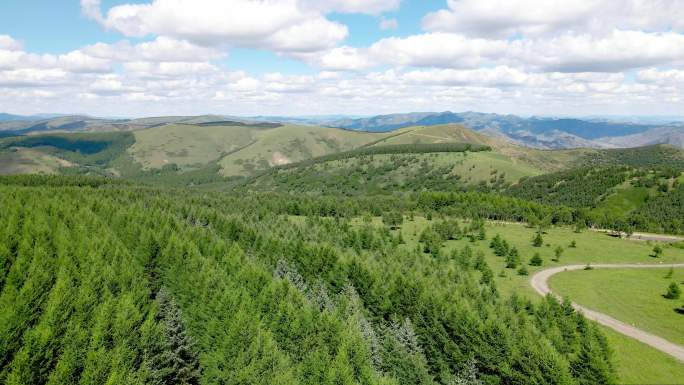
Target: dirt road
539	282
646	236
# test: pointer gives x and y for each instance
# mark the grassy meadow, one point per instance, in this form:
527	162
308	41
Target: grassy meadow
626	295
634	296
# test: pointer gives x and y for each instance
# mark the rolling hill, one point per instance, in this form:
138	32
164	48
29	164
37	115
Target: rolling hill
211	151
539	132
536	132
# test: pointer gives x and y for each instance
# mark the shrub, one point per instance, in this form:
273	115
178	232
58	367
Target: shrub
673	291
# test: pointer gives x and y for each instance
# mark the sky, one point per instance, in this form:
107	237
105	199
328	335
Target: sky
131	58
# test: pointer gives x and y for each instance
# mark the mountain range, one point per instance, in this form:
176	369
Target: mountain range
536	132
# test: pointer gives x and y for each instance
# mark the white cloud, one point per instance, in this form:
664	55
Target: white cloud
372	7
78	61
168	69
159	50
517	56
614	52
74	61
617	51
501	76
501	19
279	25
661	77
31	77
342	59
436	49
9	44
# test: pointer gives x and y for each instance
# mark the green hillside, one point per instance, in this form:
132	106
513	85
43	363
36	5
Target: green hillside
617	197
239	149
399	172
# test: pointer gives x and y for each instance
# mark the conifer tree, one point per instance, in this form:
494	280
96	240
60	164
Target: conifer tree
174	361
537	241
536	260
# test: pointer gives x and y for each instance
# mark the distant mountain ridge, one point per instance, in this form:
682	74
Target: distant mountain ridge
536	132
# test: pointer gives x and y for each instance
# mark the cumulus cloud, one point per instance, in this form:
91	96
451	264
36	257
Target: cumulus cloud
74	61
278	25
661	77
614	52
518	56
159	50
617	51
372	7
9	44
501	19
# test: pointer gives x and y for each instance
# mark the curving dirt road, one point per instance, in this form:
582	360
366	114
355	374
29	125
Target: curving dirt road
539	282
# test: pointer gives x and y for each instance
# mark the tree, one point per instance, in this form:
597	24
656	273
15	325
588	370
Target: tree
538	241
673	291
512	259
482	234
392	219
573	244
657	251
500	246
536	260
669	274
558	252
523	270
174	361
432	242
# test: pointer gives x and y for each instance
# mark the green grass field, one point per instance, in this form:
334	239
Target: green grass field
634	296
592	247
29	161
290	143
637	363
185	145
624	199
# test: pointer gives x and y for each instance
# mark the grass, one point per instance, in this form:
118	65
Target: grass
292	143
636	363
592	247
186	145
634	296
375	174
29	161
625	199
440	134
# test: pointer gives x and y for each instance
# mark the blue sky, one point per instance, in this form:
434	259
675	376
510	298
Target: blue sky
152	57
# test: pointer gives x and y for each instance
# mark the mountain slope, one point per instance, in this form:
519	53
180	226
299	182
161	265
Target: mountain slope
660	135
545	133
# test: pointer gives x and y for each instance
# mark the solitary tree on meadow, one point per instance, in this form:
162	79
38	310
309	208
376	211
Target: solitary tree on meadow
657	251
536	260
673	291
558	252
538	241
